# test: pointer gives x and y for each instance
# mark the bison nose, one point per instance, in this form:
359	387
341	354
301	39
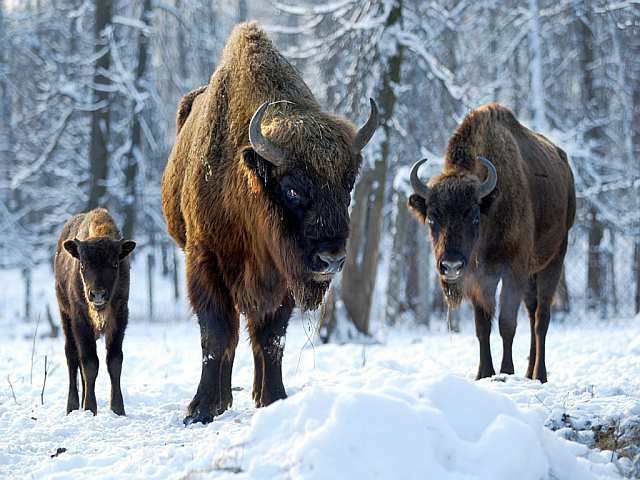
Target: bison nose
98	295
330	262
451	269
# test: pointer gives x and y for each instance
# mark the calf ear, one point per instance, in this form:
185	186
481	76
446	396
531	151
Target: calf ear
257	164
126	248
71	246
418	206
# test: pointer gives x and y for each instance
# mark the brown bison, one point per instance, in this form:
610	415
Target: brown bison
500	210
256	191
92	286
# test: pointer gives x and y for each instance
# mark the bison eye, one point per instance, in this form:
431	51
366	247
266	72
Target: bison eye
115	265
293	196
430	220
476	219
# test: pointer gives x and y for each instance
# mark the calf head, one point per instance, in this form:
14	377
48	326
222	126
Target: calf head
99	260
306	180
452	204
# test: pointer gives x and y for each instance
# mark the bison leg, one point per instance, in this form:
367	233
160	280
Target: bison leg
484	307
510	298
114	366
258	372
86	344
218	319
226	397
73	363
267	334
531	302
547	282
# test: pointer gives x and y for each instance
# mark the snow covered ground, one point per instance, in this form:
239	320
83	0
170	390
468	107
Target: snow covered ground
401	409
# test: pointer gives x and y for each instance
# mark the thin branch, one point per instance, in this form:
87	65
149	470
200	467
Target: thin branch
13	394
44	382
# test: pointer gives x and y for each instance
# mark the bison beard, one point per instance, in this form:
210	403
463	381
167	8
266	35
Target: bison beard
453	292
256	191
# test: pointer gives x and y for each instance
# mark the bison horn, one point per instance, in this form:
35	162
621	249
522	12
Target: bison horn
418	186
492	178
259	143
368	129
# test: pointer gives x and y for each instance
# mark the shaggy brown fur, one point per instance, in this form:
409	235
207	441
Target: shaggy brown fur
521	232
247	250
92	287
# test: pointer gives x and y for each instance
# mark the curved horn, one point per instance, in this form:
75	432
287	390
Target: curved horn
492	178
368	129
418	186
260	144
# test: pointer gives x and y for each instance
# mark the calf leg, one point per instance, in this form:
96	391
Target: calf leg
510	298
218	319
531	302
73	363
267	334
86	344
547	282
114	365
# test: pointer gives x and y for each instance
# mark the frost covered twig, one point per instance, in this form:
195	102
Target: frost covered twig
13	394
33	350
44	382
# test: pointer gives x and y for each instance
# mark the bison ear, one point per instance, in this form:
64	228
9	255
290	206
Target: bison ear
260	166
486	202
71	246
126	248
418	206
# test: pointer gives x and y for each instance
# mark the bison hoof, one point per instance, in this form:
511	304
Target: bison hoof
118	410
198	417
267	399
201	411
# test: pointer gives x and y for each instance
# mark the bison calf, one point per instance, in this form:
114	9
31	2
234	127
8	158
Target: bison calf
92	286
500	211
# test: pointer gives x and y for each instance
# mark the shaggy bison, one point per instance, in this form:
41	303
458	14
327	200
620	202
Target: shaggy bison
92	286
501	210
256	191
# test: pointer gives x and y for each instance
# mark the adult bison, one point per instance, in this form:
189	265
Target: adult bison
256	192
500	210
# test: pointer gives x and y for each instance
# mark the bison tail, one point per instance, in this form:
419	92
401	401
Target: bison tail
185	107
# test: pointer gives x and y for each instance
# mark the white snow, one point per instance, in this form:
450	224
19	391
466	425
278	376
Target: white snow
404	408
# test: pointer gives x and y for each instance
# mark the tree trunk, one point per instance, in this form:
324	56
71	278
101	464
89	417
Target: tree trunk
243	11
100	116
595	287
359	277
6	135
135	153
535	68
398	281
423	268
176	283
636	256
182	50
594	137
150	268
26	275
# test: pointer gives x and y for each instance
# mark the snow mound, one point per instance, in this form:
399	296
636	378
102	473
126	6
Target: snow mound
456	430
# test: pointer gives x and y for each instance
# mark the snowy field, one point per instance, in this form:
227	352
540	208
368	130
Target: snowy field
404	408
